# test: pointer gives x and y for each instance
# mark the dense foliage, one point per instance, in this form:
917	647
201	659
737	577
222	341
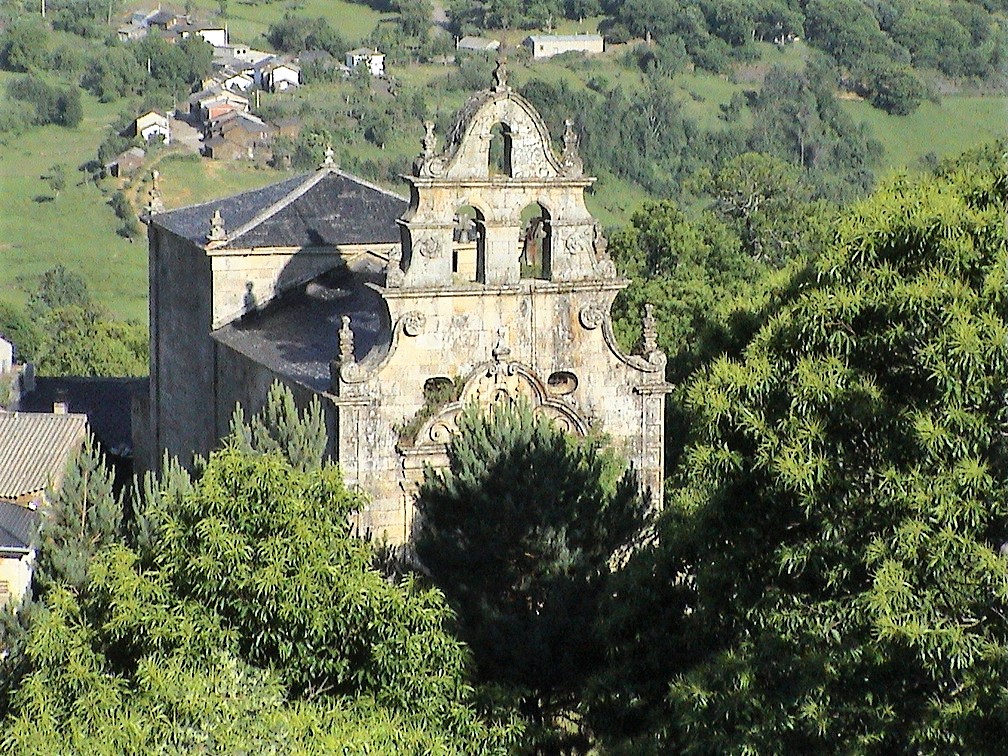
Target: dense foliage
65	332
522	533
830	564
236	615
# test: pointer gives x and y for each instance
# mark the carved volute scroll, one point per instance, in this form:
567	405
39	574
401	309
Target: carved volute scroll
465	173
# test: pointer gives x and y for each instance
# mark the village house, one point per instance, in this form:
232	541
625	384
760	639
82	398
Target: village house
126	163
34	450
152	126
237	136
371	59
489	283
477	44
213	102
279	77
548	45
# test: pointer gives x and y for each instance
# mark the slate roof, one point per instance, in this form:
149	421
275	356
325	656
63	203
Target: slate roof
327	207
18	527
105	401
34	448
297	334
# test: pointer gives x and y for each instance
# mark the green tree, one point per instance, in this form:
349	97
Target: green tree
770	203
24	44
300	437
21	330
55	178
522	533
829	566
82	516
127	651
415	16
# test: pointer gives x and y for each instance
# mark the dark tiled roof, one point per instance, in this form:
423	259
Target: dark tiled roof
105	401
18	526
298	334
327	207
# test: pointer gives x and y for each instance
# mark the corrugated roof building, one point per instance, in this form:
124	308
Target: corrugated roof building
34	448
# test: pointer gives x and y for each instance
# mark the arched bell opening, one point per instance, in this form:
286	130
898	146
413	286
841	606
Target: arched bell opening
469	244
499	152
535	242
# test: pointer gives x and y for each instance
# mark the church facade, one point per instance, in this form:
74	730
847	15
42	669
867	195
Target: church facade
489	283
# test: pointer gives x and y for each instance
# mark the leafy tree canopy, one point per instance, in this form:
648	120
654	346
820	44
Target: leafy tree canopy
830	564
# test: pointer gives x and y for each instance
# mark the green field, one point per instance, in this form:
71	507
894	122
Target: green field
248	20
950	127
76	229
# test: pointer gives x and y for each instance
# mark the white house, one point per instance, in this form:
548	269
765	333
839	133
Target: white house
6	355
371	58
548	45
236	81
215	36
153	125
278	77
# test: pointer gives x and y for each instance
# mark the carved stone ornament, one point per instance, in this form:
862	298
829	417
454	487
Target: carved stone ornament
603	263
346	345
217	233
394	274
430	140
573	166
591	317
429	247
330	158
414	323
577	242
500	75
650	330
155	204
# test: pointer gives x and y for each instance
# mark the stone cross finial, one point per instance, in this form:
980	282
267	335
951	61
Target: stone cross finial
330	158
429	140
650	328
500	75
346	342
217	232
155	204
572	163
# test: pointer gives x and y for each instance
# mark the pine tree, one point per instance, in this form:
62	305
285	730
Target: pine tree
521	532
81	517
279	426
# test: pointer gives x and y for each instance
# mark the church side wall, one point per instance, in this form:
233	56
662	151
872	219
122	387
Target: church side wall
242	380
182	354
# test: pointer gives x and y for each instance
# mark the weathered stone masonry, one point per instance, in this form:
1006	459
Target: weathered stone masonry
351	295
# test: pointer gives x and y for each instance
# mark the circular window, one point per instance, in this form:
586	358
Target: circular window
562	382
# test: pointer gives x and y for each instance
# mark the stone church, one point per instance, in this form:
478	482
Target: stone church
491	281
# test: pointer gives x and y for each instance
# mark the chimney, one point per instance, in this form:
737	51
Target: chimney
59	408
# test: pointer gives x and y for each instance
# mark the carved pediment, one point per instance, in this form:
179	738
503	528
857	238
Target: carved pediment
494	383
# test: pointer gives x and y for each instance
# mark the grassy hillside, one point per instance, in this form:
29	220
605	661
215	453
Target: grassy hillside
76	229
955	124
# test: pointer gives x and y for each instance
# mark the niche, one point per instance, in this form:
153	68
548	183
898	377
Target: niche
562	382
